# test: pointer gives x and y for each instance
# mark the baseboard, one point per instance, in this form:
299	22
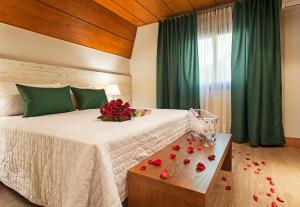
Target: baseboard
292	142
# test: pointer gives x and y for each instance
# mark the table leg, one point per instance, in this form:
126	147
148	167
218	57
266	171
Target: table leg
227	165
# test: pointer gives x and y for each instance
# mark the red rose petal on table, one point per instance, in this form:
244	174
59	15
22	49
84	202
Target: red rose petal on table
268	194
274	204
224	178
150	162
228	187
157	162
176	147
186	161
280	200
164	174
272	190
255	163
200	166
172	156
190	149
211	157
255	198
199	147
142	168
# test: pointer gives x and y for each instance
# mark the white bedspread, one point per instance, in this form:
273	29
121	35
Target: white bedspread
74	160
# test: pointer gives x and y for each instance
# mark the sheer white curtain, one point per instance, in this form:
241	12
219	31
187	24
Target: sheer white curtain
214	41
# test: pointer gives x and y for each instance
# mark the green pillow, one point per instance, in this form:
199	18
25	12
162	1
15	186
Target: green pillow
42	101
90	98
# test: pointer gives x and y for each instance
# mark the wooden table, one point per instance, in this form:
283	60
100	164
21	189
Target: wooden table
186	186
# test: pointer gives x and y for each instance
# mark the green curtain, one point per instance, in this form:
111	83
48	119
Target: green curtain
177	63
256	73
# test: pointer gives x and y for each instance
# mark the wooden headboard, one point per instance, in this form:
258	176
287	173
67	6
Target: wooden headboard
26	72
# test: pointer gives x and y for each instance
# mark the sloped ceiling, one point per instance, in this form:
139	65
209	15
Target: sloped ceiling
106	25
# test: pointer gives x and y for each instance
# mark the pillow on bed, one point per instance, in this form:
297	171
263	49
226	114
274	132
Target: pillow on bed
90	98
11	103
42	101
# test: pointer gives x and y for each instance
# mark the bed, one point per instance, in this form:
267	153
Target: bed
74	160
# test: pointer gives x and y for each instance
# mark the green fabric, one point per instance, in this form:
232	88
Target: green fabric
256	73
42	101
177	63
90	98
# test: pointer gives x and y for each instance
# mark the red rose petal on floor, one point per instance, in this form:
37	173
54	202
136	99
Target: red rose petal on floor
224	178
272	190
172	156
256	172
280	200
258	169
186	161
190	149
176	147
274	204
255	163
245	168
263	162
199	147
268	178
164	174
200	166
150	162
228	187
157	162
268	194
271	182
142	168
248	165
247	158
211	157
255	198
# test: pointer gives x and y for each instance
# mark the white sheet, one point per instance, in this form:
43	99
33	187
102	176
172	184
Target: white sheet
74	160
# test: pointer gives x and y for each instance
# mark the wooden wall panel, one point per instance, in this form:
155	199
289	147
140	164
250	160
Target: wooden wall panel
38	17
25	72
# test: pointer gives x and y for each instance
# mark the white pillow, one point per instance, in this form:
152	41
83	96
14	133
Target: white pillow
11	102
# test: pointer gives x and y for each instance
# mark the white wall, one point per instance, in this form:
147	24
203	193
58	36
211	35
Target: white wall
291	70
143	67
24	45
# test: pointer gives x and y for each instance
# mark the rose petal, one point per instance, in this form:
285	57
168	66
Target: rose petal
245	168
200	166
224	178
150	162
256	172
258	169
186	161
247	158
199	147
280	200
164	174
255	163
190	142
263	162
271	182
228	187
255	198
211	157
269	178
172	155
190	149
176	147
268	194
272	190
274	204
157	162
142	168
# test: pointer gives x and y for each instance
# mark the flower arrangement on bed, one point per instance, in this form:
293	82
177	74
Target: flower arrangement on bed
116	110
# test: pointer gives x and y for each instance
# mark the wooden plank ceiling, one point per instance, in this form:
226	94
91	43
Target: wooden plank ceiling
141	12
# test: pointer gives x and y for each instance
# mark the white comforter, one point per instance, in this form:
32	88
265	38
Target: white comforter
74	160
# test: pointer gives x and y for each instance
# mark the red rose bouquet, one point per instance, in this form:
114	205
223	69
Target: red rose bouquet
116	110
